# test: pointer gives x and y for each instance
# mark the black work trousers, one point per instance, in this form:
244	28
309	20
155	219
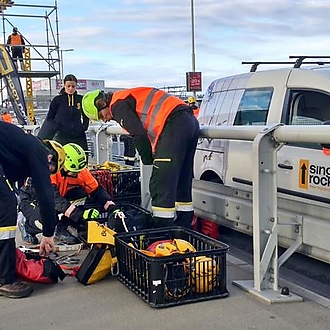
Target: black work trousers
8	216
172	173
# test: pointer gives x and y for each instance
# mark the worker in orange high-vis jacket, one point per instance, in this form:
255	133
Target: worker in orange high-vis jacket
165	133
6	116
17	46
74	181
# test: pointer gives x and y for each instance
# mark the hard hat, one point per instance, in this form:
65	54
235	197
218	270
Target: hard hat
15	29
75	158
57	151
204	274
191	99
176	280
183	246
88	104
165	249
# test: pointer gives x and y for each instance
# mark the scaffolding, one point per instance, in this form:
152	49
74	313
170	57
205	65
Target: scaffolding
40	60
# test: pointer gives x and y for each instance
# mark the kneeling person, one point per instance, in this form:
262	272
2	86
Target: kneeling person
73	182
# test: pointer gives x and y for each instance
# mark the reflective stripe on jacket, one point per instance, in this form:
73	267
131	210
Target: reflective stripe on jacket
7	232
153	106
84	180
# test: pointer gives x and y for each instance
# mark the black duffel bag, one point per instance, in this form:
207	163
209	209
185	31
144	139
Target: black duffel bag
128	217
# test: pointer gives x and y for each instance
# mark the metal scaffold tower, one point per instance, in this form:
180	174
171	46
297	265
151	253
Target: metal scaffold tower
41	59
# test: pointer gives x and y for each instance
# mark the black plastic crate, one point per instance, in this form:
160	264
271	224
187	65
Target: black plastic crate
123	185
176	279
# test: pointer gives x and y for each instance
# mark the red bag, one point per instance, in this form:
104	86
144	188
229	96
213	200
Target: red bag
35	268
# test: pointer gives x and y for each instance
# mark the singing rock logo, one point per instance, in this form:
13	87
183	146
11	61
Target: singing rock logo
313	176
5	63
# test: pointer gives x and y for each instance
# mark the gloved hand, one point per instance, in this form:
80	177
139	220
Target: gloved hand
115	212
91	214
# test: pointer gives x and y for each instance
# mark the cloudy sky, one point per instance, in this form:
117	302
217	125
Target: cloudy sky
149	42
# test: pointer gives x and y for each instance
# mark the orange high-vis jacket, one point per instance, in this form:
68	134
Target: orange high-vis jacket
7	117
153	106
84	180
16	39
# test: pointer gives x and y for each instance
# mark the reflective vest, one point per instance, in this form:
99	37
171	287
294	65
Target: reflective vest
84	180
153	106
7	117
16	39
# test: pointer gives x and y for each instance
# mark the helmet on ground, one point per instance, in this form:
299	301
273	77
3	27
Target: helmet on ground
57	151
204	274
88	104
191	99
75	158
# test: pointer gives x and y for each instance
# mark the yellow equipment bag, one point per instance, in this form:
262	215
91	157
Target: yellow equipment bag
98	233
99	263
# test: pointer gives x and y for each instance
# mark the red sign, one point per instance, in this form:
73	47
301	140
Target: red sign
194	81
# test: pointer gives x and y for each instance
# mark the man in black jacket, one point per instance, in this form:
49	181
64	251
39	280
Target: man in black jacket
23	155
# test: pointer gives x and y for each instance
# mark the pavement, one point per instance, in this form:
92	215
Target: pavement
108	304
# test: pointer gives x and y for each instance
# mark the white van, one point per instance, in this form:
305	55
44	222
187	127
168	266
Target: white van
223	168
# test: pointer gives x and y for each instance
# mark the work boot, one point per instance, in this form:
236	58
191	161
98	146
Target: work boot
62	235
15	290
27	238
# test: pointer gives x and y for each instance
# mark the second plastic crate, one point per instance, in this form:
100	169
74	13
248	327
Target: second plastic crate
123	185
175	279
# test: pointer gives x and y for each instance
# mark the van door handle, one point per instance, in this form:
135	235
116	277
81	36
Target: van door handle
285	167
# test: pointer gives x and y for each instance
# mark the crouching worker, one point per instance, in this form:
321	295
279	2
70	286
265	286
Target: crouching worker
23	155
73	182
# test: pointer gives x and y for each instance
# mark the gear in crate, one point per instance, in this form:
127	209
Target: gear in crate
123	185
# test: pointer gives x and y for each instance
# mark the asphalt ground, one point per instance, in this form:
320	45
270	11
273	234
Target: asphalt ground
309	273
108	304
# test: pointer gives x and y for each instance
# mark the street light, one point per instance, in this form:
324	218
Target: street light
62	65
193	60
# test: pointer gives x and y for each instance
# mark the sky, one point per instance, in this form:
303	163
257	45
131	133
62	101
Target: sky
131	43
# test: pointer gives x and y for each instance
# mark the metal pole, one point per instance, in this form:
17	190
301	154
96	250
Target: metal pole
62	62
61	65
193	60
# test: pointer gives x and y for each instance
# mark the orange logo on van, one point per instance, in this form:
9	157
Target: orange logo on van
303	173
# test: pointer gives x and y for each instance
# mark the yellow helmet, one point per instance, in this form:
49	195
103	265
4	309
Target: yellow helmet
88	104
183	246
204	274
191	99
57	151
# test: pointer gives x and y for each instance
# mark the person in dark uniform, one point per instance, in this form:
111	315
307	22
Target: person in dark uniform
192	103
23	155
165	133
65	121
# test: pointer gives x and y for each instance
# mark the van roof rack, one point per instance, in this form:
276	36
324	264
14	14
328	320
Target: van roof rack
296	64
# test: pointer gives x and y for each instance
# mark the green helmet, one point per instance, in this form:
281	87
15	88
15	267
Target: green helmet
75	158
88	104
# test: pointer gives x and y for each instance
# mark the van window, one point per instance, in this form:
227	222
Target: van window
254	107
308	108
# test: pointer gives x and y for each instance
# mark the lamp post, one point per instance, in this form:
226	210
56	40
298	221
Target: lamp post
62	64
193	59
